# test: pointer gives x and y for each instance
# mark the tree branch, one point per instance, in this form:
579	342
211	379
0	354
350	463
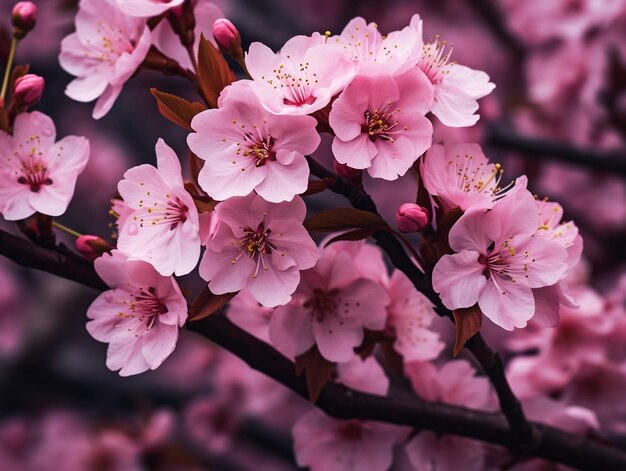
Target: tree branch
341	402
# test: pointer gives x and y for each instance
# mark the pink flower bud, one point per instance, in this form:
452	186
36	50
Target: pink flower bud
24	17
28	90
344	171
411	218
226	36
91	246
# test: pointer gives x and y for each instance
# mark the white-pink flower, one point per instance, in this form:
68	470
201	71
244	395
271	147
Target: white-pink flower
38	174
331	308
379	121
258	245
457	87
138	317
105	51
302	77
163	228
246	148
499	259
461	176
245	312
146	8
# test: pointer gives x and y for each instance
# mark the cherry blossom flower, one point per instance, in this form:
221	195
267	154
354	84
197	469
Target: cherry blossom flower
104	52
365	45
146	8
258	245
326	444
165	39
456	87
331	308
247	148
461	176
302	77
138	317
498	261
379	122
38	174
163	228
245	312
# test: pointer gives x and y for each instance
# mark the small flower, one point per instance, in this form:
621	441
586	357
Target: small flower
163	227
246	148
91	246
226	36
37	174
138	317
258	245
28	90
379	122
302	77
411	218
105	51
24	18
146	8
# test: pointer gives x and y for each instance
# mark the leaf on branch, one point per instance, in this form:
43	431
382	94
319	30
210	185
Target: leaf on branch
18	71
207	303
176	109
315	186
468	322
317	370
203	202
214	74
338	219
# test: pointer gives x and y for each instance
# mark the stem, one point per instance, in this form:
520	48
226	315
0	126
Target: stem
66	229
192	56
7	72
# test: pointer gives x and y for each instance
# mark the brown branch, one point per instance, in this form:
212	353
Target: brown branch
490	362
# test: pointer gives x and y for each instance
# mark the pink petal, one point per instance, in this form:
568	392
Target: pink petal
459	279
290	330
508	305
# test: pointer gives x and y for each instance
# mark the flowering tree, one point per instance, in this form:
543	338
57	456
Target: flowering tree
373	305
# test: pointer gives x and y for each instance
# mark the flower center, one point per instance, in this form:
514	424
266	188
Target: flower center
351	430
378	125
34	174
256	241
261	150
435	60
173	212
295	82
141	312
322	303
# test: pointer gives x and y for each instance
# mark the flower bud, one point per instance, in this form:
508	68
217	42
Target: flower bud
226	36
411	218
24	17
91	246
344	171
28	90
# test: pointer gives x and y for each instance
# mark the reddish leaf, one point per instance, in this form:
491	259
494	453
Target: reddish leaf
318	371
18	71
468	322
207	303
176	109
214	74
337	219
448	220
315	186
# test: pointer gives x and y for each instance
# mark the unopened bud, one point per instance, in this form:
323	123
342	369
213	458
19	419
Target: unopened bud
28	90
411	218
91	246
226	36
24	18
344	171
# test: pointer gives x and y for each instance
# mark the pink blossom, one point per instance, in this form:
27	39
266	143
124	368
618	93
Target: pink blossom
363	375
28	90
258	245
138	317
457	87
167	41
411	218
163	228
365	45
302	77
428	451
331	308
461	176
226	36
498	261
37	173
105	51
379	122
247	148
245	312
24	17
146	8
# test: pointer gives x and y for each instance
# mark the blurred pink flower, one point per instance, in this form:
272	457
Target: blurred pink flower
104	52
428	451
38	174
258	245
146	8
247	148
247	313
379	122
139	316
302	77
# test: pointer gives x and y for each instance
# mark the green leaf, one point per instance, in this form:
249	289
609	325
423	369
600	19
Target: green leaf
317	370
207	303
214	74
176	109
467	322
338	219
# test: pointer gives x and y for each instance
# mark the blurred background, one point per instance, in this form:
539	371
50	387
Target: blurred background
558	114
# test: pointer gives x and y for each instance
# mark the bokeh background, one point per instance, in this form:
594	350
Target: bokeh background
558	114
